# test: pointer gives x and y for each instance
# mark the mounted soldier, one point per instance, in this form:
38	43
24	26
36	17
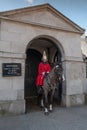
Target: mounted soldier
43	69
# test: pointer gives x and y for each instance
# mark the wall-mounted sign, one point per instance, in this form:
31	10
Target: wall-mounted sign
11	69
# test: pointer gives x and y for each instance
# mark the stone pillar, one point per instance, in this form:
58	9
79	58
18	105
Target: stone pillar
73	87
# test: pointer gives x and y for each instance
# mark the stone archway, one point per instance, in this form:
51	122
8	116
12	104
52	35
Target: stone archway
33	52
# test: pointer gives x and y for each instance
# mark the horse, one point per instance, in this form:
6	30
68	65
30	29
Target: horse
50	84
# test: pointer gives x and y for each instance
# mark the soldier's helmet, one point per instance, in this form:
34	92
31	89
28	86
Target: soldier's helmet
44	57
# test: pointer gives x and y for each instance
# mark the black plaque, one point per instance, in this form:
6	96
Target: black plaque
11	69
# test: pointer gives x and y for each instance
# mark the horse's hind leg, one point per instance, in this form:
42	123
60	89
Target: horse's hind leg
40	96
46	102
42	100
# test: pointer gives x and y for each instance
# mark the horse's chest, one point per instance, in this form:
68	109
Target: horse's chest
52	80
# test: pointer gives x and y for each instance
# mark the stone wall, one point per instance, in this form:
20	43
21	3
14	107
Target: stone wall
84	52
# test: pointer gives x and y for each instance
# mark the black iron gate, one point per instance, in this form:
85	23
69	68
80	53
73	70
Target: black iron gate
32	61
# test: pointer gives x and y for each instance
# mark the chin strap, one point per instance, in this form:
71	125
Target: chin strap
44	62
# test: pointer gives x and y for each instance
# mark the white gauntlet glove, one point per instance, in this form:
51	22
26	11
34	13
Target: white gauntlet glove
43	73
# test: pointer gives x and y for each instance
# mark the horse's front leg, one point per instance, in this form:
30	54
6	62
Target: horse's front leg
51	100
42	100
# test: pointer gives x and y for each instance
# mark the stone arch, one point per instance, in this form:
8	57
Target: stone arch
55	41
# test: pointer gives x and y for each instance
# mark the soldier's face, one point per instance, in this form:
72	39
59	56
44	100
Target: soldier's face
44	60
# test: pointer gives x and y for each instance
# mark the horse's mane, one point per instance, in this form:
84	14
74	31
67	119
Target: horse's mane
52	71
53	77
56	71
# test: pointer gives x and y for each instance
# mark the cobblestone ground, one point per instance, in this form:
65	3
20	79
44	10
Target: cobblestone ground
73	118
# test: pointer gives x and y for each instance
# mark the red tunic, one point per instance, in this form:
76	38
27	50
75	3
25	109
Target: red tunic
42	69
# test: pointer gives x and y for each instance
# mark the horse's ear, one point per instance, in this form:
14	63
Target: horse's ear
55	63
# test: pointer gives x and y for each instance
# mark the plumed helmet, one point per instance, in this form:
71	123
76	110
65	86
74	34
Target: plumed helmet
44	58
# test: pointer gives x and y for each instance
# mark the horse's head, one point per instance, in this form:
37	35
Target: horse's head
58	67
58	70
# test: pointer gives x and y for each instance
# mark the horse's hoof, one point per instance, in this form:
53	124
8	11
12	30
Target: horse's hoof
51	111
46	113
41	106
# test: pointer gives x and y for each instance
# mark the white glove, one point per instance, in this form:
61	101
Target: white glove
43	73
